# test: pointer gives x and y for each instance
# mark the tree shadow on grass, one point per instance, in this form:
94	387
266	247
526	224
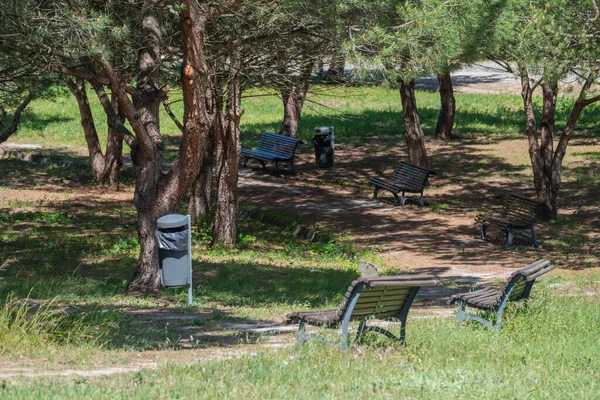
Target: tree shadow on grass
37	122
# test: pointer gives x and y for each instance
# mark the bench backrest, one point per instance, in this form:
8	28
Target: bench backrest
409	175
520	209
520	282
383	296
277	144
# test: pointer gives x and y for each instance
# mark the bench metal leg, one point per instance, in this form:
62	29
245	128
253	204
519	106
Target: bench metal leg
245	162
303	336
375	191
363	328
462	315
420	201
533	241
483	231
511	235
399	200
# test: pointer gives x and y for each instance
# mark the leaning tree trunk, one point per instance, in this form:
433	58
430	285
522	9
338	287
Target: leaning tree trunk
413	134
105	168
113	159
228	151
5	133
443	130
293	101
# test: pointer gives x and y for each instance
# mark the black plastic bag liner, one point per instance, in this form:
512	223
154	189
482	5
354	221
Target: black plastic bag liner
172	239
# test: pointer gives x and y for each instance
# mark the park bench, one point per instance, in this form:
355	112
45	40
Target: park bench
518	213
407	178
275	148
381	297
517	288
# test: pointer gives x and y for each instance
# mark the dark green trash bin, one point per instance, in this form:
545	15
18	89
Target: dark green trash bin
324	147
174	252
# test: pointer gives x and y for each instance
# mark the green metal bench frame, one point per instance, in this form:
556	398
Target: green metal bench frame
517	288
518	213
407	178
274	148
382	297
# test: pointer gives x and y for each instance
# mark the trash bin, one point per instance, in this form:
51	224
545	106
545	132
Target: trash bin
324	146
173	235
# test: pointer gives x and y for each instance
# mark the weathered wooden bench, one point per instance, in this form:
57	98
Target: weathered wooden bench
518	213
274	148
516	288
382	297
407	178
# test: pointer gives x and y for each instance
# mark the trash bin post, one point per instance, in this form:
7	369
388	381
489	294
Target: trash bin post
322	150
175	251
189	221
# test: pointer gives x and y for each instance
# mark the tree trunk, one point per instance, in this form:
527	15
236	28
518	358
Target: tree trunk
293	101
563	142
547	198
147	158
228	151
291	114
199	205
156	193
105	168
531	132
200	194
413	134
12	128
443	130
540	151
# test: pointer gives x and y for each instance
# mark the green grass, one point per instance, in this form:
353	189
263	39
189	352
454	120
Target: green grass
356	112
548	350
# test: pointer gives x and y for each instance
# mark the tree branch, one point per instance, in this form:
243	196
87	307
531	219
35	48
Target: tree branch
113	119
167	107
56	69
12	128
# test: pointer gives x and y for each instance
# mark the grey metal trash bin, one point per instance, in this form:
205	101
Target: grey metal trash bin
324	147
174	250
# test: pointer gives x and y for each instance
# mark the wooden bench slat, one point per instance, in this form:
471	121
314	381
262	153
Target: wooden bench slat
393	302
370	294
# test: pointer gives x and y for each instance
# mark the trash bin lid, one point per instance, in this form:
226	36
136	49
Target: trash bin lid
324	129
172	221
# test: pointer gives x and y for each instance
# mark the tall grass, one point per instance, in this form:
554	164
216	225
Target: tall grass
34	328
548	350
